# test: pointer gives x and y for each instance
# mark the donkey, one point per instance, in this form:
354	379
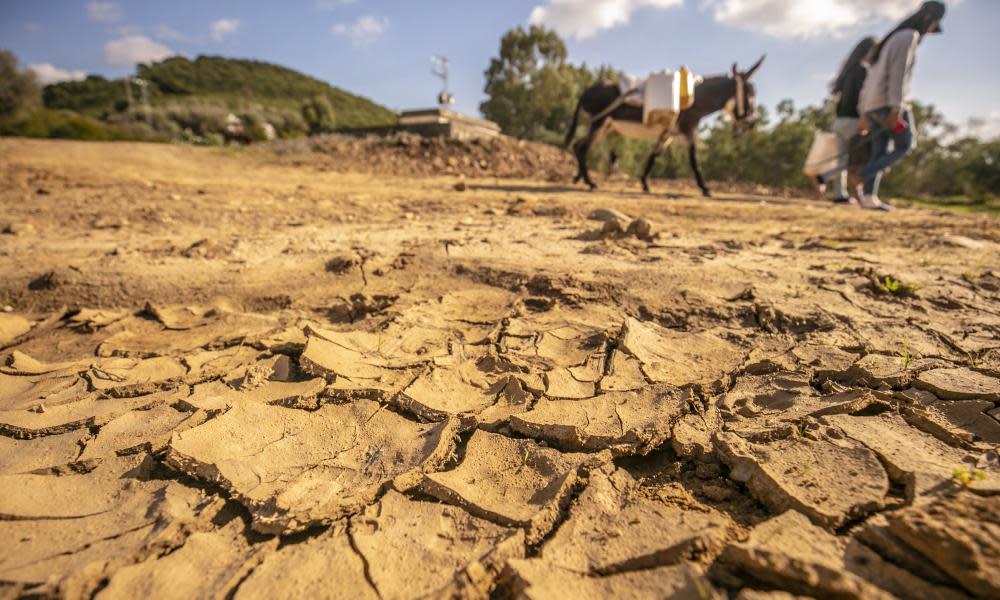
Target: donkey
606	112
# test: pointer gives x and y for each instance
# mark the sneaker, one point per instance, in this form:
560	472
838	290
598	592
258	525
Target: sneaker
845	200
871	202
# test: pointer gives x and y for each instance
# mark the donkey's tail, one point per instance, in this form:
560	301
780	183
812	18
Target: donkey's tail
572	126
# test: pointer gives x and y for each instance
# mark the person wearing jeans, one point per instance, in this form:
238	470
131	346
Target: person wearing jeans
884	103
903	142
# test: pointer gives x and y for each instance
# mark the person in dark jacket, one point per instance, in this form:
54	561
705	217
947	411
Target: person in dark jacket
847	89
884	102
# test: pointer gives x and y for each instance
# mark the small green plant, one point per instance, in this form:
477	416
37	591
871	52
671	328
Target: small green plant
897	287
907	358
704	590
967	476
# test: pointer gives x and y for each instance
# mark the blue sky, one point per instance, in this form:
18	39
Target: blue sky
381	48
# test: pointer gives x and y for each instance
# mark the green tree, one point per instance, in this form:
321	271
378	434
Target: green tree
978	172
95	96
532	90
318	115
769	154
19	90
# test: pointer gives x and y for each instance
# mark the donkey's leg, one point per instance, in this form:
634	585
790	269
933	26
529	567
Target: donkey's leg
580	149
597	131
649	168
693	156
661	144
581	165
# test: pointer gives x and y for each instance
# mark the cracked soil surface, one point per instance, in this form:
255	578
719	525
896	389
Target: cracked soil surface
229	374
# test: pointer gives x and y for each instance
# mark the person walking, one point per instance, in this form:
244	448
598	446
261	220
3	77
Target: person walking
847	89
884	103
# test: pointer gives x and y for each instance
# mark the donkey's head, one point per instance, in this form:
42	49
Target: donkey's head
743	105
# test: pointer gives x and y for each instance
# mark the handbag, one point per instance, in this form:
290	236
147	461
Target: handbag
823	155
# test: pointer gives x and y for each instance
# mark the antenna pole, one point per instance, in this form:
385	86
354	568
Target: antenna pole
441	73
128	96
143	95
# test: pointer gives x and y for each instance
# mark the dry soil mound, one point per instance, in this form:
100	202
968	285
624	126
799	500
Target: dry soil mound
412	155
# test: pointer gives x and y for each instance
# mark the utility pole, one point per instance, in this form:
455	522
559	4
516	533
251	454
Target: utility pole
444	98
144	92
128	97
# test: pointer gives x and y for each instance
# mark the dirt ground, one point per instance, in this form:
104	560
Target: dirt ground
242	373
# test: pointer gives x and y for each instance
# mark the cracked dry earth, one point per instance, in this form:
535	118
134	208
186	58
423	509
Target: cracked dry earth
227	377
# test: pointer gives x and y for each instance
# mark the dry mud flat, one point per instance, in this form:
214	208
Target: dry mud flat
226	377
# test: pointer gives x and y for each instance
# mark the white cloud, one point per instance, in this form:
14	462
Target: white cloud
583	18
103	12
806	18
224	27
363	31
32	27
48	73
131	49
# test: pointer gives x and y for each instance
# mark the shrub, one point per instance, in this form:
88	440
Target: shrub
201	119
45	123
318	115
19	90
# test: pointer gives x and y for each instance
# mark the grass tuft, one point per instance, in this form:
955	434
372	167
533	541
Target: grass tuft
896	287
967	476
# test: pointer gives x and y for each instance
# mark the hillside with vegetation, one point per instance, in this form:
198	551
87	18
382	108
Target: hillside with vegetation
189	100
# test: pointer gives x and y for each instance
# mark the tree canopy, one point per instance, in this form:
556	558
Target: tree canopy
19	91
532	90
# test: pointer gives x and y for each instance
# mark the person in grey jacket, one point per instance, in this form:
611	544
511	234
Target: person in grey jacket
884	102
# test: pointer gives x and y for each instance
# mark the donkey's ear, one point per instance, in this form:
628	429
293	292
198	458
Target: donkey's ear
736	70
754	68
